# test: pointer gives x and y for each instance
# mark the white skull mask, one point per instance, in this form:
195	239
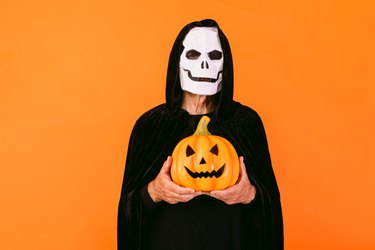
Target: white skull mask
201	62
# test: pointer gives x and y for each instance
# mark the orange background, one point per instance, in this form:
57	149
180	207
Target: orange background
75	75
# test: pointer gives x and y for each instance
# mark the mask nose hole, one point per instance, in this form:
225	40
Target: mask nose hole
204	64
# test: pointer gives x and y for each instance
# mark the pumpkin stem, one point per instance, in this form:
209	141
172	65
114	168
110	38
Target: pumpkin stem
202	126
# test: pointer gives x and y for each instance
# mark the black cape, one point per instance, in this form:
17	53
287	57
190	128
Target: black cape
158	131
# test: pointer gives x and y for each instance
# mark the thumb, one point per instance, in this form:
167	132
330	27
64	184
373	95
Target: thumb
242	163
167	165
243	168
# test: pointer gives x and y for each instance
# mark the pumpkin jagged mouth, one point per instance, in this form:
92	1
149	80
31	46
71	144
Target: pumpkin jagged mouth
206	174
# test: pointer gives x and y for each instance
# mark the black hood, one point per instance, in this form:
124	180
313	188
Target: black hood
224	98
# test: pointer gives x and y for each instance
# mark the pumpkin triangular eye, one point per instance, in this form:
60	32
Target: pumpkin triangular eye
215	150
189	151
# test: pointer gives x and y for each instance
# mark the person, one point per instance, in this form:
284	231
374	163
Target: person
156	213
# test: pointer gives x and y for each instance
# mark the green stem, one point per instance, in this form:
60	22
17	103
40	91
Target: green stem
202	126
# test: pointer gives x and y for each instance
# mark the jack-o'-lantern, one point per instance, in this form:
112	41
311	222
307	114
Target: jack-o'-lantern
204	161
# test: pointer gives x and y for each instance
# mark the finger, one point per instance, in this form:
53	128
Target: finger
185	198
197	193
182	197
229	195
226	193
179	190
218	195
212	194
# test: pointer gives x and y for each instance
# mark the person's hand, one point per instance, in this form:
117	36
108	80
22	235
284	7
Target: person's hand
242	192
162	188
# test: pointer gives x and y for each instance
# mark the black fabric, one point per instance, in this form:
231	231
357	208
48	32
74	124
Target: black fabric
202	223
158	131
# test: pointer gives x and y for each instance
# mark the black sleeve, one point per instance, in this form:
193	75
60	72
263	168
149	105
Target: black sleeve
148	204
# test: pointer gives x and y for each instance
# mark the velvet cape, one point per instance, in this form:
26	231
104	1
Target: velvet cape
157	132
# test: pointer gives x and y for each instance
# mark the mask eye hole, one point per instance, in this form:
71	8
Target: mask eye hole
189	151
215	55
215	150
192	54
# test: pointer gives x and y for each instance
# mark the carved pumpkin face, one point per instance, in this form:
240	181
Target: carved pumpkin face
205	162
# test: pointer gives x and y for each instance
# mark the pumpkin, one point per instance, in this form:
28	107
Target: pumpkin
205	162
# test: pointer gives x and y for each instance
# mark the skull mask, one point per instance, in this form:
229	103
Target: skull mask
201	62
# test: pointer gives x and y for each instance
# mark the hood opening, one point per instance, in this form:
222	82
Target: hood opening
224	98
